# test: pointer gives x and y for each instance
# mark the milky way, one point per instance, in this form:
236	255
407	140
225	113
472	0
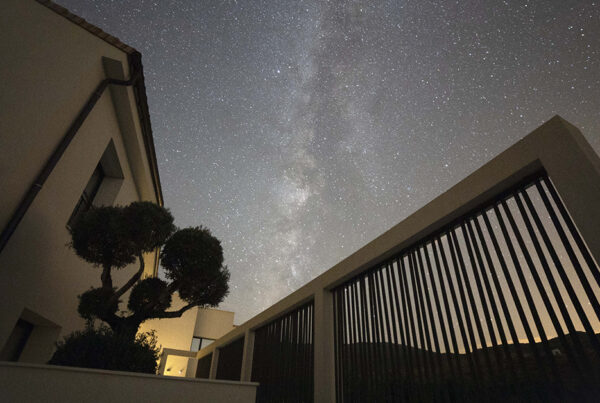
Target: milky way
299	131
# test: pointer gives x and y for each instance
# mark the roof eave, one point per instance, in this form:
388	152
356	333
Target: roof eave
134	59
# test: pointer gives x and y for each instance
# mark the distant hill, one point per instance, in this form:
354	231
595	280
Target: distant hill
384	371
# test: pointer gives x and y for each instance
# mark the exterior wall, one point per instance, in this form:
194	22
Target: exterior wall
44	383
175	335
213	323
177	365
51	69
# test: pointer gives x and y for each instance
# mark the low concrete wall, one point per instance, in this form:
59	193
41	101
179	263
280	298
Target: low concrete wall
46	383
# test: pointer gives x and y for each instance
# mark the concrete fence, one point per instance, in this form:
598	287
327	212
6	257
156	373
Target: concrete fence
312	320
46	383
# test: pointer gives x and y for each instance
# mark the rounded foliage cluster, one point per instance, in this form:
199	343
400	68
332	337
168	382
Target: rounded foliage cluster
92	303
150	290
206	289
148	225
115	236
98	236
193	258
103	349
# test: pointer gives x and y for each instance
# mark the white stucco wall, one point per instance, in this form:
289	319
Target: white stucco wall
49	69
177	333
213	323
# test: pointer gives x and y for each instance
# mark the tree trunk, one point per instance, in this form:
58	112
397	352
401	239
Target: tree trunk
126	327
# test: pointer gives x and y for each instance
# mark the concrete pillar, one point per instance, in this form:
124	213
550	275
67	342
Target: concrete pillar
192	366
163	363
324	370
213	364
247	356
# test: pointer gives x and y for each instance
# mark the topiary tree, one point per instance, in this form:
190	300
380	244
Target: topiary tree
112	238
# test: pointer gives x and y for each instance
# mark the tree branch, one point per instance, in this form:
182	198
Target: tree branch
115	297
173	314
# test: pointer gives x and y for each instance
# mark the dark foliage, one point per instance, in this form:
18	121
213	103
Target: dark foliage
92	303
115	236
99	236
147	225
148	291
206	289
103	349
193	259
191	248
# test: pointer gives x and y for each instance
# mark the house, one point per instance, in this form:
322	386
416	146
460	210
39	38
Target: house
70	139
384	324
75	132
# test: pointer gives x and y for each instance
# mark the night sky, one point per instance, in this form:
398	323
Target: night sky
298	131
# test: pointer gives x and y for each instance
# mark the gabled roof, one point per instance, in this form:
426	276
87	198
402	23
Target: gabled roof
87	26
139	89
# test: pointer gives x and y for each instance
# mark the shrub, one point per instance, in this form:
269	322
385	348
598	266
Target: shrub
101	348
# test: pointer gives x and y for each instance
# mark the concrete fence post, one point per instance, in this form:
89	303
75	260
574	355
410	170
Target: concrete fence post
247	356
214	363
324	362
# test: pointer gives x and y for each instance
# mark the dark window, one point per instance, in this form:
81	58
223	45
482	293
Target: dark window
198	343
16	341
87	197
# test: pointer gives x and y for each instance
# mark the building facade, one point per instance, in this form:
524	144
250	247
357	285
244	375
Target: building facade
69	139
183	337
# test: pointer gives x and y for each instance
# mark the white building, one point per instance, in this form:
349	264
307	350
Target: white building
70	138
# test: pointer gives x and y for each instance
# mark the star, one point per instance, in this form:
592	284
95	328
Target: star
297	134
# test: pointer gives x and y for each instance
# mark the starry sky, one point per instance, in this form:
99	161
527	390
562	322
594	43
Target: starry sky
298	131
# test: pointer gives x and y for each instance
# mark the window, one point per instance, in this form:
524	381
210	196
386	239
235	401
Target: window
16	341
102	187
198	343
87	197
